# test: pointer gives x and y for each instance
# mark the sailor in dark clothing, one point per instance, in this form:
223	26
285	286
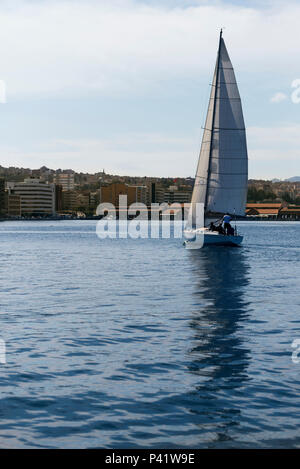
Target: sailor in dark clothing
227	226
230	230
220	229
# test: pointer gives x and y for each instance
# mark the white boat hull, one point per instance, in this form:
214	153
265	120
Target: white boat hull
200	238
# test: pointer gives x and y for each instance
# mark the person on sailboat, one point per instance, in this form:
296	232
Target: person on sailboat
230	231
226	221
219	229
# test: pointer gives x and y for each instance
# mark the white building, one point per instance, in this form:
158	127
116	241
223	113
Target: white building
37	197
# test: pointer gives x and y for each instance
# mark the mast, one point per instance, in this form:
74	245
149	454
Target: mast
222	170
213	121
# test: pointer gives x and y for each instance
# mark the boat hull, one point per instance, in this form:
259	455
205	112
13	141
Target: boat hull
202	239
223	240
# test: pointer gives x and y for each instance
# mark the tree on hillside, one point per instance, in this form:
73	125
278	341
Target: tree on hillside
259	195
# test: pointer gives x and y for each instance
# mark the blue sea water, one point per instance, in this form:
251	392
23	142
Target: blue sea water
123	343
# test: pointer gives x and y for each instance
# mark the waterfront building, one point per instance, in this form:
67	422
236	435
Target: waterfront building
151	193
177	196
111	193
140	193
265	210
2	197
12	205
58	198
159	196
173	194
292	212
69	201
83	201
65	179
88	202
37	198
276	211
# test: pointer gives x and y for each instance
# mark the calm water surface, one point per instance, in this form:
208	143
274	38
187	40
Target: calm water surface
141	343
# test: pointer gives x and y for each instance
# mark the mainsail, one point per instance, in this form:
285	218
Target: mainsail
222	172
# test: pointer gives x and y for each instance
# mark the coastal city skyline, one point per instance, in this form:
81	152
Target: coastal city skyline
11	169
45	192
150	227
136	101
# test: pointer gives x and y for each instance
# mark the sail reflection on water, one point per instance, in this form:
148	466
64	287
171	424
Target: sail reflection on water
218	354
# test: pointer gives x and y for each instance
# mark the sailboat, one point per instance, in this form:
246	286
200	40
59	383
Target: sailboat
222	173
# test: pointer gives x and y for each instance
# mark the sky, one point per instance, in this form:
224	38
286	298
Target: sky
123	85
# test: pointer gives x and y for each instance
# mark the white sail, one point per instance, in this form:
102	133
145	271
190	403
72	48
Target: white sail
222	172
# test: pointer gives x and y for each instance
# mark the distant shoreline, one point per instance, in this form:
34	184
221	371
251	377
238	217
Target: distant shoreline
129	219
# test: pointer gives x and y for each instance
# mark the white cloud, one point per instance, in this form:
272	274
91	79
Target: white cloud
278	97
148	154
279	140
75	48
273	152
126	48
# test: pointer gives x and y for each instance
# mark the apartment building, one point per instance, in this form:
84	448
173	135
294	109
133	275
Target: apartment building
37	198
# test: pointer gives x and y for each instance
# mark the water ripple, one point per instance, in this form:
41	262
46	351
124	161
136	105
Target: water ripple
118	343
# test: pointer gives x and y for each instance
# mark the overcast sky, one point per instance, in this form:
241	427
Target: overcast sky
123	84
